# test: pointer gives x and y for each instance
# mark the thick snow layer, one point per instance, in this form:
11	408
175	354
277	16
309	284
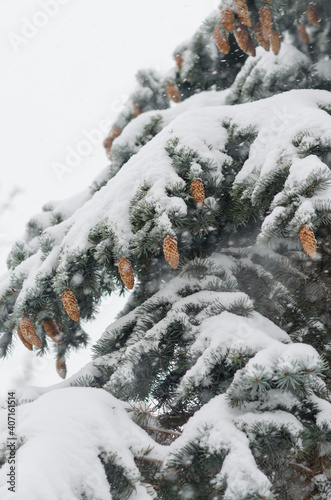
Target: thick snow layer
222	334
264	69
201	100
63	433
94	420
66	428
197	122
281	121
267	74
284	357
142	341
213	427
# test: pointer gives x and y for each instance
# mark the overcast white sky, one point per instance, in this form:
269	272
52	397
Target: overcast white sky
66	66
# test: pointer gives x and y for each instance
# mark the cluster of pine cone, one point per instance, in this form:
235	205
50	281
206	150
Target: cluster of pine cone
29	337
252	26
26	330
238	21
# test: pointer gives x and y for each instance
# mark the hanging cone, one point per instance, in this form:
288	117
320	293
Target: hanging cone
136	110
266	21
61	367
70	305
52	330
312	15
198	192
221	40
108	142
257	28
244	39
116	132
227	19
242	12
275	42
251	47
179	61
308	241
173	92
170	251
29	333
303	34
25	342
126	272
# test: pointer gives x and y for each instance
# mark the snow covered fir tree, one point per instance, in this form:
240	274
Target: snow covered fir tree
215	208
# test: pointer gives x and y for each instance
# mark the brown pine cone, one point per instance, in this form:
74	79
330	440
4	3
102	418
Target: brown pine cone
221	40
275	42
61	367
251	47
312	15
304	37
136	110
242	12
116	132
170	251
308	241
244	39
25	342
173	92
108	142
179	61
198	192
227	19
52	330
29	333
257	28
126	272
266	21
70	304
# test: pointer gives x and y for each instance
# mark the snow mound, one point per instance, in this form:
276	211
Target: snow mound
63	435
